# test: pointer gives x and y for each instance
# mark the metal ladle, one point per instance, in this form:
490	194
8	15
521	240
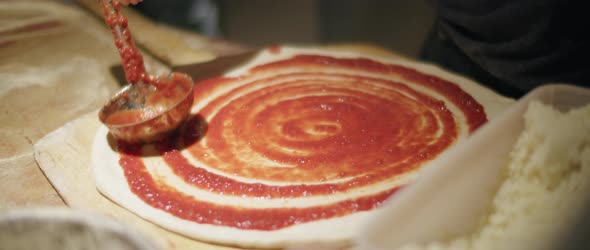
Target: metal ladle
144	112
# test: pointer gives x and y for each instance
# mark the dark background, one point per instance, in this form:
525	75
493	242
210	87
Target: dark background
399	25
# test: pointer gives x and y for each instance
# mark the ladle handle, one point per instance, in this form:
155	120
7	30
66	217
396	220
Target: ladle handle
131	58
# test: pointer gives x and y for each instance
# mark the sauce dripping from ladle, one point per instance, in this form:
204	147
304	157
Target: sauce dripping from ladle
150	108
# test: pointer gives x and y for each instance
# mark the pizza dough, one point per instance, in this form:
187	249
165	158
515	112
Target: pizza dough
296	146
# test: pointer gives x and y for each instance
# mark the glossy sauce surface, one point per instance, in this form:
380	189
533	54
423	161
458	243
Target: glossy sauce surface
308	126
131	59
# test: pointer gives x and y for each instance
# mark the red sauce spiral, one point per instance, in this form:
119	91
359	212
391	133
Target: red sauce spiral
304	127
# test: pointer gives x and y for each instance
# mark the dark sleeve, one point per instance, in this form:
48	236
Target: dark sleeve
523	43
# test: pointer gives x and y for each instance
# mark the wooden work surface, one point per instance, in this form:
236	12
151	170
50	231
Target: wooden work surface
57	65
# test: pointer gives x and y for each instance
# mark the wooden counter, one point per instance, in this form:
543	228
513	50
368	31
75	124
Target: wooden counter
57	63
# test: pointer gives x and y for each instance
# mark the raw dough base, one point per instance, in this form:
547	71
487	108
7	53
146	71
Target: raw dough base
111	182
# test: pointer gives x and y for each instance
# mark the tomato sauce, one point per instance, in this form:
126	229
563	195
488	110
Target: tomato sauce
132	60
335	127
126	117
189	208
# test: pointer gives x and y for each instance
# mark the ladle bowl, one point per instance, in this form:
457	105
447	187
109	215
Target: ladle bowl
145	113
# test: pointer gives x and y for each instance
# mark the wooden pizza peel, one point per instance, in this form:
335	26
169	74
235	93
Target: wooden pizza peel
64	156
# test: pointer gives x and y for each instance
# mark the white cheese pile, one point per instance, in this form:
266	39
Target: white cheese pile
547	179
